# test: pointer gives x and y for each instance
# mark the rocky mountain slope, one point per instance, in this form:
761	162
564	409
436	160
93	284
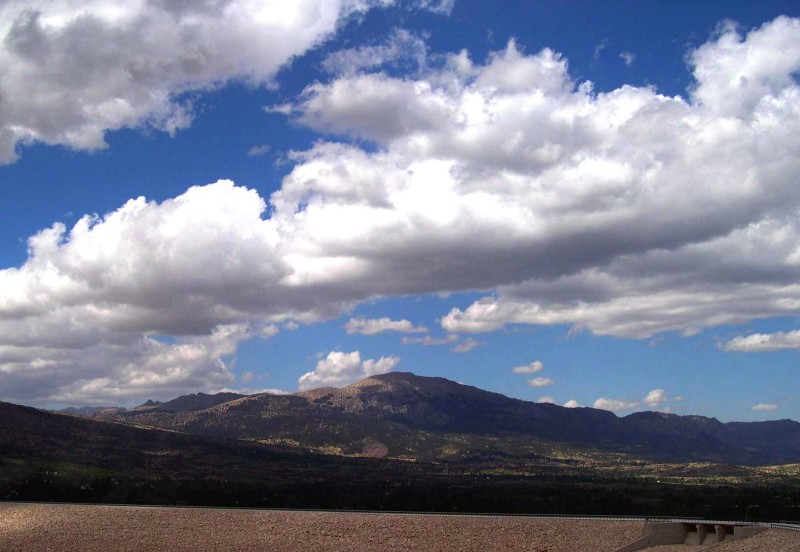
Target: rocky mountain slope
46	456
41	438
402	415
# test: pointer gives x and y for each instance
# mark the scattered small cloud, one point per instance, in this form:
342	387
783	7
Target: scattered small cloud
655	398
269	330
464	346
614	405
541	382
627	57
247	377
598	49
467	345
401	47
373	326
547	399
441	7
765	407
759	343
282	109
291	325
339	369
430	340
258	151
572	403
532	368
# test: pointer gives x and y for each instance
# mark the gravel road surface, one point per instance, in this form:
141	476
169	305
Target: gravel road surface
68	528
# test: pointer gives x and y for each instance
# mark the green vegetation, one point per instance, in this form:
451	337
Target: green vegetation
369	487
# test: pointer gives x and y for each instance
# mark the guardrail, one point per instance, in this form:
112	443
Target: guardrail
783	525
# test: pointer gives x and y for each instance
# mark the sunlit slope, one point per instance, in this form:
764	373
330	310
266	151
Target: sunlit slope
407	416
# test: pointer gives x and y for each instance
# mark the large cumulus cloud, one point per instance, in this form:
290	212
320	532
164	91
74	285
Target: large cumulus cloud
148	299
623	212
74	69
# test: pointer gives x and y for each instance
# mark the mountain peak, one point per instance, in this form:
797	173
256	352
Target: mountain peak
199	401
391	377
409	379
151	403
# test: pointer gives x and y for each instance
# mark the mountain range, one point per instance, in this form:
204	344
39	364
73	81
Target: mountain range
404	416
399	442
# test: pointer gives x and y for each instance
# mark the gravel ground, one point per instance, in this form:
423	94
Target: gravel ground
67	528
773	540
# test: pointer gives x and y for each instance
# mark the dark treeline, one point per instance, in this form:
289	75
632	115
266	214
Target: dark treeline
460	494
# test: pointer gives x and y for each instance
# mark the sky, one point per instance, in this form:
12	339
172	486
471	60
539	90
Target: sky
591	204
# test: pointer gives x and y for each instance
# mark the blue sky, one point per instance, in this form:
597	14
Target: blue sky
602	195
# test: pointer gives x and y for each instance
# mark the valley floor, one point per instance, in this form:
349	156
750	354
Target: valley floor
67	528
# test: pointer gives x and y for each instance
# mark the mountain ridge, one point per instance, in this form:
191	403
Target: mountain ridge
428	418
49	456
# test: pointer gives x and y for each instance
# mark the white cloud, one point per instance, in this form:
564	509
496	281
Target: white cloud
765	407
467	345
757	343
638	201
541	382
546	400
258	151
268	330
401	46
81	319
614	405
430	340
655	398
463	346
739	78
120	370
572	403
372	326
75	69
444	7
532	368
627	57
598	49
623	212
339	369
